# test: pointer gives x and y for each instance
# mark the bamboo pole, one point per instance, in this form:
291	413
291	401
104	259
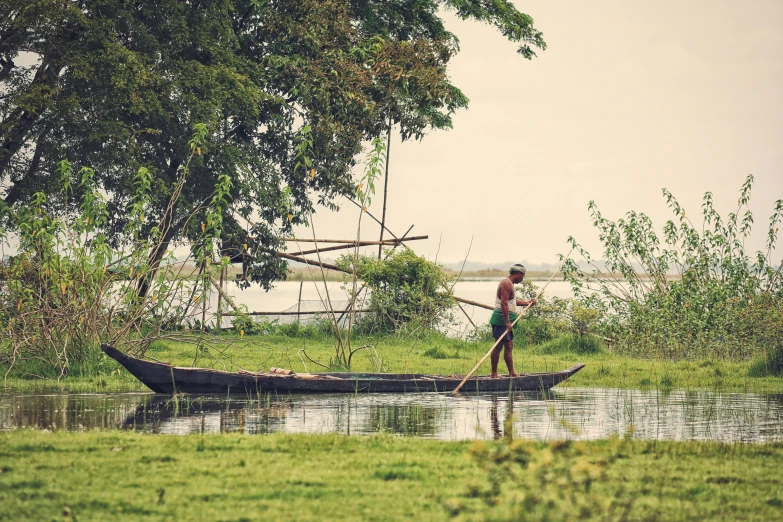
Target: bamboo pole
388	242
385	186
223	294
299	302
310	262
373	217
474	303
468	376
353	242
303	312
220	298
466	315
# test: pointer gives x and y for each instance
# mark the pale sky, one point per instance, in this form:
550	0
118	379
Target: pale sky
629	97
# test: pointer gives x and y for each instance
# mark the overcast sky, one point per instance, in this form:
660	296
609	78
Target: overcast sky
628	98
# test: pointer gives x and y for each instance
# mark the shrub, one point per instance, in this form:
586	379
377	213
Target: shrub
693	292
555	316
570	343
68	289
533	330
315	329
770	364
407	292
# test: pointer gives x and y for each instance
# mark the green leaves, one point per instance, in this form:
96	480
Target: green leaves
407	291
685	296
373	168
261	92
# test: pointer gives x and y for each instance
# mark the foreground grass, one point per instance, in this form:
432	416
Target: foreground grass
127	476
432	354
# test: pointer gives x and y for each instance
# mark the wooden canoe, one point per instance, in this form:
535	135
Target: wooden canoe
165	378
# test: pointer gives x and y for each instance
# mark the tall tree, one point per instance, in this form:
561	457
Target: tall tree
283	86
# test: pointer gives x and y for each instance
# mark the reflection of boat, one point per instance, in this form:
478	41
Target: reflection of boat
165	378
166	414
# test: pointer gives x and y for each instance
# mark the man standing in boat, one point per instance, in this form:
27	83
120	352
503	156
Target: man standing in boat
505	313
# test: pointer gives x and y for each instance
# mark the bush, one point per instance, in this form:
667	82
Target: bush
694	292
554	317
532	331
770	364
570	343
408	292
69	288
316	329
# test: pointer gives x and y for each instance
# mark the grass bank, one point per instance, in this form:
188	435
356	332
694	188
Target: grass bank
126	476
431	354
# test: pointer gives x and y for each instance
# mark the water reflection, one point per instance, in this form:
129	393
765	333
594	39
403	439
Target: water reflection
560	414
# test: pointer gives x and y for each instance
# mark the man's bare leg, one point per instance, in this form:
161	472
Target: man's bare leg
494	358
508	356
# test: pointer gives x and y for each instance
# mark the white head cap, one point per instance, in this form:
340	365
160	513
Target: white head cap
518	268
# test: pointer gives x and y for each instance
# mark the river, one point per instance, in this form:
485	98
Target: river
562	413
285	296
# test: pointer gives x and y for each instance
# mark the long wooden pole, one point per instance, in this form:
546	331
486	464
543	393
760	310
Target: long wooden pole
469	375
385	186
353	242
223	294
388	242
299	302
311	262
473	303
302	312
220	298
373	217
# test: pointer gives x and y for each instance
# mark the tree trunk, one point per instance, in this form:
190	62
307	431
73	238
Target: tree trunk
24	120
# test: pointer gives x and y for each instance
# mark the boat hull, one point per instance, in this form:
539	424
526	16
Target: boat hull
165	378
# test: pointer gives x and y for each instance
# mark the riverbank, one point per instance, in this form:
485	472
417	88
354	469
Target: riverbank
435	354
127	476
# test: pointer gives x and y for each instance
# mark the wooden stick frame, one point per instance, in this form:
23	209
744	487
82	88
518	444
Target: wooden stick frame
353	242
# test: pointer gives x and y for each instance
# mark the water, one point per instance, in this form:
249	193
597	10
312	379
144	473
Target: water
566	413
286	294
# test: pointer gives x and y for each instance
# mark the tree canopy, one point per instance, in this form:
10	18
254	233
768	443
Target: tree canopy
288	91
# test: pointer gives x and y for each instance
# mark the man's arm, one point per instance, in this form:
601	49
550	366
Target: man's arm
520	302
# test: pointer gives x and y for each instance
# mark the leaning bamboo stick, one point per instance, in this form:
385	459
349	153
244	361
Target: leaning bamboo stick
310	262
222	294
468	376
317	312
388	242
474	303
353	242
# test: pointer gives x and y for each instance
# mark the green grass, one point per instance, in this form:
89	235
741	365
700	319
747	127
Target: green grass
431	354
127	476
